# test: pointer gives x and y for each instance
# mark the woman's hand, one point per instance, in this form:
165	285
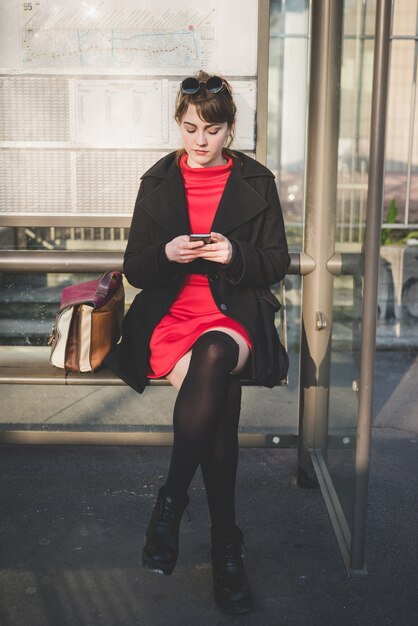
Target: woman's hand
181	250
219	250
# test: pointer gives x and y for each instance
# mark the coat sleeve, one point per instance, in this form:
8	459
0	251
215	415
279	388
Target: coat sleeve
145	263
264	260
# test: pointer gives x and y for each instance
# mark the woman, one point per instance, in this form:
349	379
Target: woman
204	315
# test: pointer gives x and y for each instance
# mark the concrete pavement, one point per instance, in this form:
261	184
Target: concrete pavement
73	518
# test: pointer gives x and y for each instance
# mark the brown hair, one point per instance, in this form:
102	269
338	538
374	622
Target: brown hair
211	107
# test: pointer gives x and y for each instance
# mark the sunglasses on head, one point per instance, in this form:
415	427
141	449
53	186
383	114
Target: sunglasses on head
191	85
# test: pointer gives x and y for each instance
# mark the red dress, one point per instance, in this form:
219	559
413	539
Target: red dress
194	310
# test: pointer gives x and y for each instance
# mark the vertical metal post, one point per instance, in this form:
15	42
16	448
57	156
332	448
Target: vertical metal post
319	236
279	94
371	275
262	79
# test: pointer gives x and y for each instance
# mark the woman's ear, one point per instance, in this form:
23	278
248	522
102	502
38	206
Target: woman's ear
230	136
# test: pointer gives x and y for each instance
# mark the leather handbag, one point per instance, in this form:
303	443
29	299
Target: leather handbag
88	323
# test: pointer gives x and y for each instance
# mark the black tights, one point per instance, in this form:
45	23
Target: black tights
205	421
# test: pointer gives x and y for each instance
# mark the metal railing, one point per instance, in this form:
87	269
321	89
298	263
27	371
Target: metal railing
77	261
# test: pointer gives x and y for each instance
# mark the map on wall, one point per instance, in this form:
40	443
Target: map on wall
117	34
129	36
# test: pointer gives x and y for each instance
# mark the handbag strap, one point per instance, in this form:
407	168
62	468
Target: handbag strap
95	292
105	281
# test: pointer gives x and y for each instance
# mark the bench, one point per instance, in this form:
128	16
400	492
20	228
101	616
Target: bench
30	365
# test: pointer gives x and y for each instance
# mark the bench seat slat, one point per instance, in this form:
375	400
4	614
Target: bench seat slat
29	365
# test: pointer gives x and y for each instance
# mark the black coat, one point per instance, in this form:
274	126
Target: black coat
249	214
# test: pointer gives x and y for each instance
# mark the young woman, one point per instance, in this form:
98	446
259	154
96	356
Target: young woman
205	314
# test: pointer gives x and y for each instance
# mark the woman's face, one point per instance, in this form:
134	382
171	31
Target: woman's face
203	141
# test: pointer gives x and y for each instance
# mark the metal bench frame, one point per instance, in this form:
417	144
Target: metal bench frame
29	365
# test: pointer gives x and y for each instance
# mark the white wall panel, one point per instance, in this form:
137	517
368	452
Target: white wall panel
87	94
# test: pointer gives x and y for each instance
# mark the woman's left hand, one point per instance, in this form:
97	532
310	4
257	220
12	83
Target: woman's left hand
219	250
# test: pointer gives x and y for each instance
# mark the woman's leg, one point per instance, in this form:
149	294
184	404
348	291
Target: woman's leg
199	406
220	461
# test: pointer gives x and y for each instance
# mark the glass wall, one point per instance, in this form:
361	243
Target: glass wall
289	32
352	184
286	149
401	181
288	78
288	66
288	84
398	312
398	289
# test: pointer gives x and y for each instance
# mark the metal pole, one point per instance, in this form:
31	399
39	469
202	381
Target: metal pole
319	236
262	79
371	275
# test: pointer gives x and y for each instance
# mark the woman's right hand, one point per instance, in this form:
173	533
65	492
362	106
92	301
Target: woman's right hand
181	250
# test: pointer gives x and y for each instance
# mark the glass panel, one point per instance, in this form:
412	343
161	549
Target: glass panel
352	15
293	134
405	15
286	158
413	191
287	109
296	17
79	408
356	79
99	239
355	110
398	278
398	128
370	21
29	302
359	17
343	407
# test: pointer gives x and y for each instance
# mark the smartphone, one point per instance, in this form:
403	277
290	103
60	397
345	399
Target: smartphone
205	237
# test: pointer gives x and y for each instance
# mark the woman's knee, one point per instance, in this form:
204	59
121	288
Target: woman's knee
217	349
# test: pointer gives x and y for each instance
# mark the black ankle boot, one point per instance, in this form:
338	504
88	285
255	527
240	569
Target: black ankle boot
162	537
230	584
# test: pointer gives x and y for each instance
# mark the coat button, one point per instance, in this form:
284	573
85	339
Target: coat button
224	307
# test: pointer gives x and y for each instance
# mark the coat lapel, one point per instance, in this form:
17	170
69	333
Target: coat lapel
239	203
166	204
